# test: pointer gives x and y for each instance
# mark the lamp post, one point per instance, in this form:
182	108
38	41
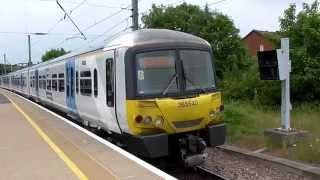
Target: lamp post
29	45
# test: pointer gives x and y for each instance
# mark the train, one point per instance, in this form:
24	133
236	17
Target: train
154	91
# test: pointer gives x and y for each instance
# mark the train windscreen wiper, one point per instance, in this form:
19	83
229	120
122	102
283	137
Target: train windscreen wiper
185	77
174	76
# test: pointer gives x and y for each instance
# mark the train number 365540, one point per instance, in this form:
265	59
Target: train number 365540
189	103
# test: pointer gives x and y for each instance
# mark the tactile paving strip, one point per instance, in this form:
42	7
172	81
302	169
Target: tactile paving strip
3	99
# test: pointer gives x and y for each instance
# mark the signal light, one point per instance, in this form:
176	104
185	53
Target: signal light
139	119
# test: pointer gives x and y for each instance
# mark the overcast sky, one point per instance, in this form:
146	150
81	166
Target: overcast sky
20	17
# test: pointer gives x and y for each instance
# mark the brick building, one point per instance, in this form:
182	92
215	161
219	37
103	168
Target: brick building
261	41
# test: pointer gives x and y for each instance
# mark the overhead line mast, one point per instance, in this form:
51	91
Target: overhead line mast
135	15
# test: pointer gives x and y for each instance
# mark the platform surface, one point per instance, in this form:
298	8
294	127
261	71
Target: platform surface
27	154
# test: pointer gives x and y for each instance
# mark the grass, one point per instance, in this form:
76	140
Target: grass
247	122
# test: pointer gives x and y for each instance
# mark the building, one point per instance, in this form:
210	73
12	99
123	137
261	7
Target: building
261	41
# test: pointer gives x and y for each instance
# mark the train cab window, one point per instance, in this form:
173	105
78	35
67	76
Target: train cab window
85	83
95	82
156	73
109	82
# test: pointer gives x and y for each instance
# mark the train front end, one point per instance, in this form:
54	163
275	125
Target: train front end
173	104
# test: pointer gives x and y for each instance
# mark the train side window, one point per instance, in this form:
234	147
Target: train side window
48	82
77	82
54	85
85	83
49	85
61	85
61	82
44	82
109	82
95	82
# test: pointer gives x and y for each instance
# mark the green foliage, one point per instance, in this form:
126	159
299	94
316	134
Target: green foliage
217	28
248	86
53	53
246	119
303	29
246	123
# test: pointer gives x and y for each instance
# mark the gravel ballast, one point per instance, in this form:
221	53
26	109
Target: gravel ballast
238	166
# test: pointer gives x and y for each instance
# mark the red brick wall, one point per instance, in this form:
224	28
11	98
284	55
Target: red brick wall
253	42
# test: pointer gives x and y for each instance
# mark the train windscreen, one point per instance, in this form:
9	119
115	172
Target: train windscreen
174	71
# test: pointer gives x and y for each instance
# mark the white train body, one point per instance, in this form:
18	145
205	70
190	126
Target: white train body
98	87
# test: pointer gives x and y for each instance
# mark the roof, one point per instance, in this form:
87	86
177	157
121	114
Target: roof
273	37
149	36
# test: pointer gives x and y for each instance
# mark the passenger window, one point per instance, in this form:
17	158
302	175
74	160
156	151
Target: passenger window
61	82
85	83
109	82
54	85
95	82
61	85
49	85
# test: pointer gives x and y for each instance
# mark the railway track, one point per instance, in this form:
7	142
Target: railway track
209	174
196	173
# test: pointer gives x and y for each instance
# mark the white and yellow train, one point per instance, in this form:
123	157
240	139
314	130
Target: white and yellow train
153	90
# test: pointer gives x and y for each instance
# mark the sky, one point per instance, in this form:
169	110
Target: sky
101	20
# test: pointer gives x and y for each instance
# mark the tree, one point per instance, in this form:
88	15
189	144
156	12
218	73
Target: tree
303	29
217	28
53	53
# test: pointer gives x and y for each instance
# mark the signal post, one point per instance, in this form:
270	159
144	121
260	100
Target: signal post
276	65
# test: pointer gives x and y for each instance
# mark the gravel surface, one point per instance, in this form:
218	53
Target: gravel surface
237	166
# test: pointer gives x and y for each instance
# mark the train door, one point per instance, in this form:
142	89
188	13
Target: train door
70	87
110	91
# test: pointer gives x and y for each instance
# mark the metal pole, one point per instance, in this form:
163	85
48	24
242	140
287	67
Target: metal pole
5	63
285	91
29	48
135	15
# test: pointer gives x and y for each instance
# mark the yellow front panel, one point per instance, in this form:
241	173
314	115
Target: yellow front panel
178	115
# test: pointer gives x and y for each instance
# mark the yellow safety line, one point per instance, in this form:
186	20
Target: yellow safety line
74	168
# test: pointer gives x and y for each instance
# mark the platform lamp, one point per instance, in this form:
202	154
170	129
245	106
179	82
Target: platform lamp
29	44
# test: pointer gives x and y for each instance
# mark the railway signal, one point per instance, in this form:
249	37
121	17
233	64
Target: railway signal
275	65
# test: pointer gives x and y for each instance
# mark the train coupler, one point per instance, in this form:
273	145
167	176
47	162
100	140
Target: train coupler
192	150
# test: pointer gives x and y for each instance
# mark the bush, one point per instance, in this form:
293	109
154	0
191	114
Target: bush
246	85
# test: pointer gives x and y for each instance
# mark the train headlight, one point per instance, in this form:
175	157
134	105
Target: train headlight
212	114
158	122
147	120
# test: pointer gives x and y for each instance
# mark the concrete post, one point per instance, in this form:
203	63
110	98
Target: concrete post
285	90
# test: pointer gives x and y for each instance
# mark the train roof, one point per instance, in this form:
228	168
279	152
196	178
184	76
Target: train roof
154	36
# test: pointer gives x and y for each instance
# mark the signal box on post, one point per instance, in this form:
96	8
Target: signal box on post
274	64
268	65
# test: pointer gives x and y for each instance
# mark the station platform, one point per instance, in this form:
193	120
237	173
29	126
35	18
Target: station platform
38	144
